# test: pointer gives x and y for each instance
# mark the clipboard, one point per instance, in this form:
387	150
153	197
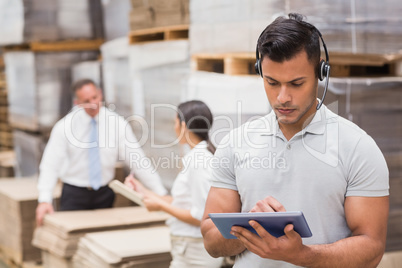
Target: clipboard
127	192
273	222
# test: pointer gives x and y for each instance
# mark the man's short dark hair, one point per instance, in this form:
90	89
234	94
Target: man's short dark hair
284	38
82	82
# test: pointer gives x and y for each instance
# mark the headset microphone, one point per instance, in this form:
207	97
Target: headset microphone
323	70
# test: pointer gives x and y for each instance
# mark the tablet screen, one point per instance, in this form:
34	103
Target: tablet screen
273	222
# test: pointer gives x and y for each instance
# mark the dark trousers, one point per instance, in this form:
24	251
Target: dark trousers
81	198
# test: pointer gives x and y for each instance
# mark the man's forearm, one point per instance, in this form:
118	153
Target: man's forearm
216	244
356	251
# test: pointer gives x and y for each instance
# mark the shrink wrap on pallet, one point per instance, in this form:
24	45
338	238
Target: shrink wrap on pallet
28	20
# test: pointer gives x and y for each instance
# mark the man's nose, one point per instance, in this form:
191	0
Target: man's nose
284	95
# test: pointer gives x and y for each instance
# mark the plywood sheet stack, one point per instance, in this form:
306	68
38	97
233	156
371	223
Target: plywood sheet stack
140	248
58	237
18	201
158	13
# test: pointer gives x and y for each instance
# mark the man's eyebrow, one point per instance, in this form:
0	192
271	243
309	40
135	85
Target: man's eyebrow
292	81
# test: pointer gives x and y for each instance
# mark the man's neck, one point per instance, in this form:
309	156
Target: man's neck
289	130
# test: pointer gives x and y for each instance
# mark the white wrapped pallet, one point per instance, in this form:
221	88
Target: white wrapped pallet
230	26
39	87
28	148
116	18
116	78
232	99
29	20
145	82
354	26
87	69
160	71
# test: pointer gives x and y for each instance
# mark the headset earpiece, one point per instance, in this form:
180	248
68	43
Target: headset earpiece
257	65
322	70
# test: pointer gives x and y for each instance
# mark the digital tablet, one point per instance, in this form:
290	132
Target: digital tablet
273	222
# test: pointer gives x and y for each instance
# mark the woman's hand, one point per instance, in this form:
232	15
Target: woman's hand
135	184
154	202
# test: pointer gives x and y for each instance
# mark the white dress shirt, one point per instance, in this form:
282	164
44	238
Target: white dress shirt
66	154
190	189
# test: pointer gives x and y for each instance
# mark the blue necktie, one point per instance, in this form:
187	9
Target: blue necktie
95	171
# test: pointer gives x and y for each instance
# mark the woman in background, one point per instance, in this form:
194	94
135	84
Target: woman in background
190	188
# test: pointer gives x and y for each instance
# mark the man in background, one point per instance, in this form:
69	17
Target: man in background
82	151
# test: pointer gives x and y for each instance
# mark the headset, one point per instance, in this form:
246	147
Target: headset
323	70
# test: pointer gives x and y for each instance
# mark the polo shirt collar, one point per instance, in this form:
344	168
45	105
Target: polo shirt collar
316	126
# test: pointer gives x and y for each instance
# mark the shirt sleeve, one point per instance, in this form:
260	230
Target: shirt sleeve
53	156
368	171
199	174
223	164
141	166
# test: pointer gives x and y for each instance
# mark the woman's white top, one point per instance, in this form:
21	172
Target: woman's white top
190	189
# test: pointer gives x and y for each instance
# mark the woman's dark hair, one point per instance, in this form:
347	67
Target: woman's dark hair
198	119
284	38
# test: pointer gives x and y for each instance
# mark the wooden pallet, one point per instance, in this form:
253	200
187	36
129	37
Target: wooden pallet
176	32
348	64
57	46
226	63
342	64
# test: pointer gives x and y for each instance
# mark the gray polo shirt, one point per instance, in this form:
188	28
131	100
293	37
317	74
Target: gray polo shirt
330	159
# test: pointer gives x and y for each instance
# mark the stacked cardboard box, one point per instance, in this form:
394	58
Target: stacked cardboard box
158	13
18	201
142	248
28	20
61	231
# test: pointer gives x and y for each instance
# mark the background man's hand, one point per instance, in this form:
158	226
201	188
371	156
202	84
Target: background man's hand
41	210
